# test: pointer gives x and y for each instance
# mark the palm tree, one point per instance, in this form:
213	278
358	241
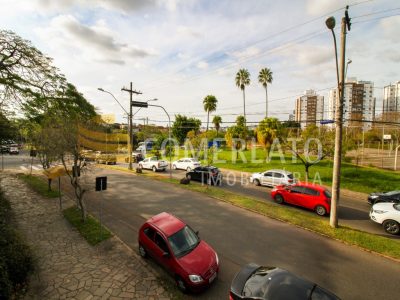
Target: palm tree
210	105
217	120
265	77
242	79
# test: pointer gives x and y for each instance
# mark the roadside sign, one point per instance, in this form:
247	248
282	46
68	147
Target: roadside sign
387	136
140	104
101	183
322	122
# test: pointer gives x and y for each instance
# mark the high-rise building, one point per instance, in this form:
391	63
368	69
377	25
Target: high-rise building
309	109
358	105
391	103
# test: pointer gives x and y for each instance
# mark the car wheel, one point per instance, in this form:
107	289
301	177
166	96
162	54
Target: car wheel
142	251
181	284
174	167
320	210
188	169
391	226
256	182
154	169
279	199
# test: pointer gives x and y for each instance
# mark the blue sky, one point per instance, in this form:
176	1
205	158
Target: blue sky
181	51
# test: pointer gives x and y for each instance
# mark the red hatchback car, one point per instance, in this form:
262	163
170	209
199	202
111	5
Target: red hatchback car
173	244
311	196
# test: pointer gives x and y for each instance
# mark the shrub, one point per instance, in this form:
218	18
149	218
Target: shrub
16	260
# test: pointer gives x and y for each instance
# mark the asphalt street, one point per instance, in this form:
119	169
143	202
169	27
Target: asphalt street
240	236
353	212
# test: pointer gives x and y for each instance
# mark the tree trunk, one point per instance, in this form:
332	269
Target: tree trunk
49	184
266	102
245	121
208	118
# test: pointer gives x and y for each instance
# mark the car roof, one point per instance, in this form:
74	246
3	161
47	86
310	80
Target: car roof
311	185
278	170
167	223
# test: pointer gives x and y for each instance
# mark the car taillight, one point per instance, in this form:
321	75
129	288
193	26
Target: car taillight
230	296
328	200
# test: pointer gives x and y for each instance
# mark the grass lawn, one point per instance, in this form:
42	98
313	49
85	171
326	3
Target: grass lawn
353	177
368	241
90	229
38	185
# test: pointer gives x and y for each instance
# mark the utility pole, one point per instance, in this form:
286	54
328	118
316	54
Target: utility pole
131	91
339	125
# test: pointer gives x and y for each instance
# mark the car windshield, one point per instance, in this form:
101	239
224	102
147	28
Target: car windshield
392	193
397	206
290	176
184	241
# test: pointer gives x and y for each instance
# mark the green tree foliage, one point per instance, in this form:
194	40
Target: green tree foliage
25	72
265	77
210	105
182	125
267	131
217	120
8	129
242	79
235	136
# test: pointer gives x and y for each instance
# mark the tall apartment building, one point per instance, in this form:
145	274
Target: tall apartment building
391	103
309	109
358	106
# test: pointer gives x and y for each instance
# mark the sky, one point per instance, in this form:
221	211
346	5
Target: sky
180	51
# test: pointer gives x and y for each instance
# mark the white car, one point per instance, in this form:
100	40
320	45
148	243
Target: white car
387	214
186	163
14	150
153	163
273	178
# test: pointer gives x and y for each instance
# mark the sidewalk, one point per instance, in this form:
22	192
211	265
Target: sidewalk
67	266
347	193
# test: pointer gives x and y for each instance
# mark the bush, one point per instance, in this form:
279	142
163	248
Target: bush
16	260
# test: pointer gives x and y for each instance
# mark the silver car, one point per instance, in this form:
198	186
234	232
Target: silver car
273	178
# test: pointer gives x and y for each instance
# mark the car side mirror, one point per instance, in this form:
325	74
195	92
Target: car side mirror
197	233
166	255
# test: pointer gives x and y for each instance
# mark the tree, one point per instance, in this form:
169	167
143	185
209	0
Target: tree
8	129
235	135
182	125
25	72
210	105
217	120
242	79
265	77
320	142
267	131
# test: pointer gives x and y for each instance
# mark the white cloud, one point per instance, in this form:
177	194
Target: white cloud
319	7
99	40
246	53
391	28
202	65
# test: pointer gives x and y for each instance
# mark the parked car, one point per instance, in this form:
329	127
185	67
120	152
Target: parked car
272	283
209	174
311	196
4	149
136	157
186	163
273	178
13	150
153	163
393	196
387	214
106	158
173	244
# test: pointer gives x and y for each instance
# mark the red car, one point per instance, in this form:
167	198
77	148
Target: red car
311	196
173	244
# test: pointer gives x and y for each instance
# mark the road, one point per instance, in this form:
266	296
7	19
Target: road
352	212
240	236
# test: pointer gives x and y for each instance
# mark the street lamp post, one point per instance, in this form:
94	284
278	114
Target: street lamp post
145	104
129	126
330	23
